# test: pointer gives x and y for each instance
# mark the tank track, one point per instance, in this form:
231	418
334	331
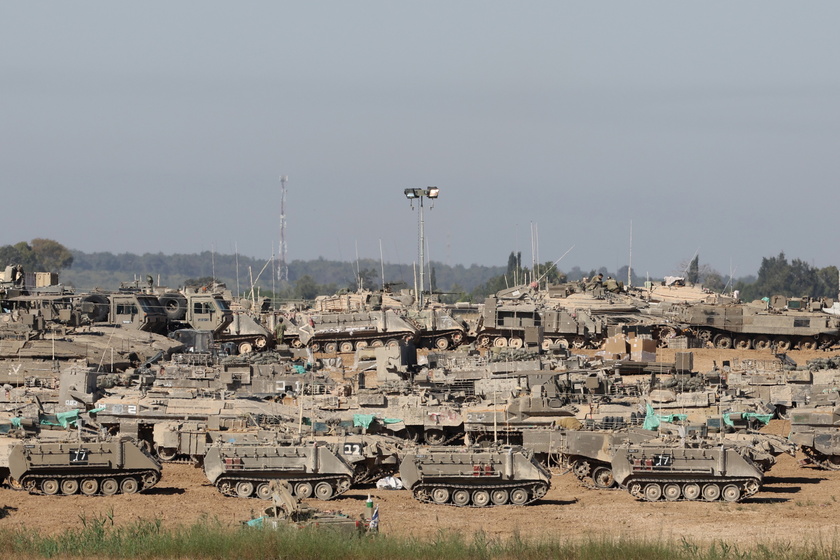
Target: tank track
425	492
746	486
227	484
819	459
32	483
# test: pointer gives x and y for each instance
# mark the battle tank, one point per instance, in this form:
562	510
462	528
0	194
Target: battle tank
71	465
817	433
475	477
246	470
653	471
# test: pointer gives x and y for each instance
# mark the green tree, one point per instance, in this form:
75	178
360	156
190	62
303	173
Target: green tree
306	288
693	274
51	255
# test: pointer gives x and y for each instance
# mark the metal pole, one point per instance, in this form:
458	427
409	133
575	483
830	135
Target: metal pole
422	256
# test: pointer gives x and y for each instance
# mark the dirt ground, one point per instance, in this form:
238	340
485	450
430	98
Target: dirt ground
796	504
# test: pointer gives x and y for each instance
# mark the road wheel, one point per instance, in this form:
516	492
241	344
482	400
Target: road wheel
731	493
69	486
547	343
244	489
483	341
499	497
392	343
324	491
500	342
440	495
303	489
578	341
109	487
603	477
50	487
361	344
441	343
89	486
264	491
742	343
808	343
711	492
723	341
166	453
129	485
434	437
515	342
653	492
261	342
762	343
377	344
481	498
691	491
346	347
519	497
671	492
245	348
782	344
460	498
330	347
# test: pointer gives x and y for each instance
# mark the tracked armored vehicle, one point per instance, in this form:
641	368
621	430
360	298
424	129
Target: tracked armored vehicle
817	433
246	470
781	324
653	471
90	467
474	477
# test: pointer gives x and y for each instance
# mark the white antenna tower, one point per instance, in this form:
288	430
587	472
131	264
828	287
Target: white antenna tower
282	268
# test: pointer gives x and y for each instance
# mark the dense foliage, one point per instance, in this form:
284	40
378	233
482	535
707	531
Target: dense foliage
307	279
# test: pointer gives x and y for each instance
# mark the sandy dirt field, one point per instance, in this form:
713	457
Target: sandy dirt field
795	505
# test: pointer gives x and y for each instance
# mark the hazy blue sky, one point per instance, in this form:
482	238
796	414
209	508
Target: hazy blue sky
164	126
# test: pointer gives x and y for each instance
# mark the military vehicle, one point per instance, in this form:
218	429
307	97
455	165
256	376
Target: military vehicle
69	465
589	454
653	471
817	433
780	324
474	477
288	511
344	332
370	456
512	319
135	310
246	470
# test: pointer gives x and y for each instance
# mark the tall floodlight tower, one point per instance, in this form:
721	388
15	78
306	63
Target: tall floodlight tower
418	195
282	268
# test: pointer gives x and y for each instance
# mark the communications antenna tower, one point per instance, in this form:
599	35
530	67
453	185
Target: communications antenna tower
282	267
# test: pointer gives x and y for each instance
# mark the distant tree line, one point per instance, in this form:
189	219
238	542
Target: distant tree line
308	279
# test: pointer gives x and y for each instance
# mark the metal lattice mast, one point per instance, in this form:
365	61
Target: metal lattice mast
282	267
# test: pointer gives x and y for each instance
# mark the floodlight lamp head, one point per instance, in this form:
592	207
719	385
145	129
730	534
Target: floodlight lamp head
411	194
432	192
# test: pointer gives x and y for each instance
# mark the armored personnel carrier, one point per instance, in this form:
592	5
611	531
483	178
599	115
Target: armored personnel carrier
474	477
654	471
73	465
332	332
817	433
246	470
782	323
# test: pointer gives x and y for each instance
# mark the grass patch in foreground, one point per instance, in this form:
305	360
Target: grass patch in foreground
210	539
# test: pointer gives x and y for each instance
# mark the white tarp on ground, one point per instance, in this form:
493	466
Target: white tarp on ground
389	483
